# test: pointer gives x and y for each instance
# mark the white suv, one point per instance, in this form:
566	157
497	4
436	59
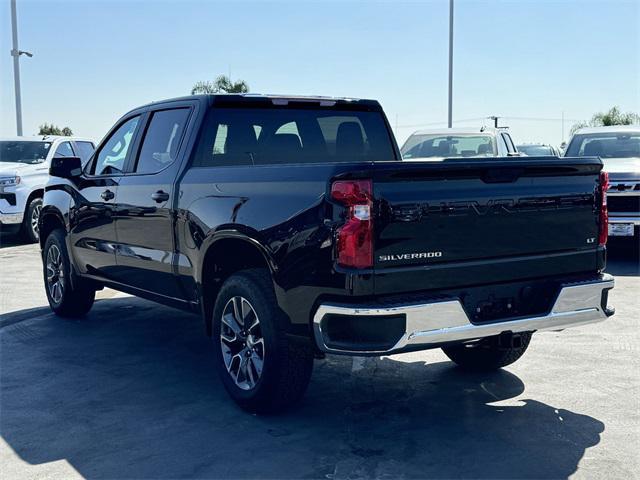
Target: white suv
24	171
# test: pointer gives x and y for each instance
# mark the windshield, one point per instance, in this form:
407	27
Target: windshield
536	150
450	146
605	145
23	152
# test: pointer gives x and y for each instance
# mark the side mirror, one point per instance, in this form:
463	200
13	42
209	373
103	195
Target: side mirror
65	167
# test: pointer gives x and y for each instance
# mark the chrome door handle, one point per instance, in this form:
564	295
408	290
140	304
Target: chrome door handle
160	196
107	195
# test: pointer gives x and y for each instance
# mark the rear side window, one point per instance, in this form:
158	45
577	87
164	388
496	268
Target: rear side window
162	139
64	150
270	136
84	151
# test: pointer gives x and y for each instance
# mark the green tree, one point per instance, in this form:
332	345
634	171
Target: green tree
605	119
52	129
222	84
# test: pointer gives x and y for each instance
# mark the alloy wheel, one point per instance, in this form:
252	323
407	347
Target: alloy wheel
35	217
55	273
242	343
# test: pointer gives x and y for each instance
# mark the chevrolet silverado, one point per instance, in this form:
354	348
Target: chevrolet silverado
292	226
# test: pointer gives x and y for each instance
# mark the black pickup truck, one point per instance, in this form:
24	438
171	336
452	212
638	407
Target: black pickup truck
293	227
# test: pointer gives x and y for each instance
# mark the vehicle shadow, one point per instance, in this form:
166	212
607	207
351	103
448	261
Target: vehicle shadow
623	257
129	392
10	240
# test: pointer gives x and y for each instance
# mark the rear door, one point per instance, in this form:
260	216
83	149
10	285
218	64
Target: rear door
145	214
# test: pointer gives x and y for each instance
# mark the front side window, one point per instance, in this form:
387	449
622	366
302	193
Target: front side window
270	136
110	160
605	145
160	145
64	150
17	151
448	146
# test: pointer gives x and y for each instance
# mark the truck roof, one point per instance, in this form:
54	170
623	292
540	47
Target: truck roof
457	131
609	129
257	98
46	138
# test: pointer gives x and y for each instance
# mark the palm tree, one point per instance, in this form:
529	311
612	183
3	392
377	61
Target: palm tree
605	119
222	84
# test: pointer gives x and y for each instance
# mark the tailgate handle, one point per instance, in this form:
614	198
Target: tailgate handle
406	213
502	175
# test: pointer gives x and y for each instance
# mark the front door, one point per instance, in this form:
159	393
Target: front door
92	216
144	225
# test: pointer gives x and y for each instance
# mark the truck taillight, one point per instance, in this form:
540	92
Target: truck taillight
604	213
355	237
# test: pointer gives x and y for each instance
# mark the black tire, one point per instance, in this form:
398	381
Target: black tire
286	363
487	354
29	230
70	299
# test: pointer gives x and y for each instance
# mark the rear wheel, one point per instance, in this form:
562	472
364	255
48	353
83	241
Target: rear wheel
261	368
490	353
30	228
66	298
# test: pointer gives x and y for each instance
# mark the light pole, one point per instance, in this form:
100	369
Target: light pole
15	53
450	120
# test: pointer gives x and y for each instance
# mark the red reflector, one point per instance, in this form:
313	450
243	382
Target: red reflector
604	212
355	238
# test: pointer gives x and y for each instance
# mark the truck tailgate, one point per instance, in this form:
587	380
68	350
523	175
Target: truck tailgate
455	223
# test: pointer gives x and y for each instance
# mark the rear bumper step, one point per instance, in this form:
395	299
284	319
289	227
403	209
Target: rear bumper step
428	325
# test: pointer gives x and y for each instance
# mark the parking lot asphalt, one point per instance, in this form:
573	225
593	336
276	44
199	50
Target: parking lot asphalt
130	392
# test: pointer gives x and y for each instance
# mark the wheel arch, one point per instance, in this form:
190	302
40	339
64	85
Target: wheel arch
50	219
36	193
225	254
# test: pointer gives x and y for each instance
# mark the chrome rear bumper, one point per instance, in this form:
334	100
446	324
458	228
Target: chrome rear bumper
431	324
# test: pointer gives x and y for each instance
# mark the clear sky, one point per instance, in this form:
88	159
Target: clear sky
94	60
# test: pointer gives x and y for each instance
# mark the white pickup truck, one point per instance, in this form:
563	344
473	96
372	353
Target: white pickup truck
24	171
619	148
459	143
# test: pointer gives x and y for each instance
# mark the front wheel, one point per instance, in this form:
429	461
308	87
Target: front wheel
30	228
261	367
490	353
66	298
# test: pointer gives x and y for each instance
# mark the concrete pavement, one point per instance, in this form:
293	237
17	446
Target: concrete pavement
130	392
